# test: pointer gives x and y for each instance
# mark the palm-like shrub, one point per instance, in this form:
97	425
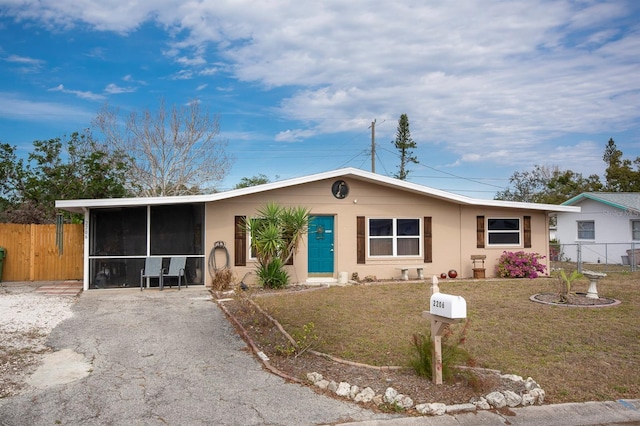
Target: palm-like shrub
273	274
276	232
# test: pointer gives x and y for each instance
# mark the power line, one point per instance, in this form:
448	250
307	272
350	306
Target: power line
449	174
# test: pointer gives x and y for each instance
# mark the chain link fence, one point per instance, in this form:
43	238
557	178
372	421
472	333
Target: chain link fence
603	257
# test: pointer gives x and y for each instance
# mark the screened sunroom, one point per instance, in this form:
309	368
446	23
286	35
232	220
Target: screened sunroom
121	238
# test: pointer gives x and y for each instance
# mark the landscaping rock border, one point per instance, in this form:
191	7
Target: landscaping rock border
533	395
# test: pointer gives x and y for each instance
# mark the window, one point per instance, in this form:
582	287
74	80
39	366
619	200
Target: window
394	237
118	232
177	229
635	230
586	230
503	231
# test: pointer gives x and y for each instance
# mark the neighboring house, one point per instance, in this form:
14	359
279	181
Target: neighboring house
606	227
362	223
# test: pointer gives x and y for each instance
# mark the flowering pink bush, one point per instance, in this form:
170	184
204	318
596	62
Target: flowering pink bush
519	265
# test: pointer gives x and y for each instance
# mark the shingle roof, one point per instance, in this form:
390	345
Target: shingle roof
620	200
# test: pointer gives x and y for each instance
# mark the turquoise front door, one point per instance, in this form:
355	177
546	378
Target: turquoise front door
321	246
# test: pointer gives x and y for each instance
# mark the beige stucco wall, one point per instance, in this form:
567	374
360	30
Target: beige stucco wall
453	227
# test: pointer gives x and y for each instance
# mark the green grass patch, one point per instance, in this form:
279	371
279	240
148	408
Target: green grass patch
576	354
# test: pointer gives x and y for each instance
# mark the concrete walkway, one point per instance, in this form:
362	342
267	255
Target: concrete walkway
164	358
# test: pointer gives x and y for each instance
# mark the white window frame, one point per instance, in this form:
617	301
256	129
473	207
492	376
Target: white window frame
634	231
578	222
395	237
504	231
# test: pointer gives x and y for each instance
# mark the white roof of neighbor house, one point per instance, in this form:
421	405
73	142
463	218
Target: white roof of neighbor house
620	200
79	205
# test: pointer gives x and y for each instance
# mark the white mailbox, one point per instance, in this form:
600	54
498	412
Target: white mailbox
448	305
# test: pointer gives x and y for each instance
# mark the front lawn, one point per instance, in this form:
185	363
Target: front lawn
575	354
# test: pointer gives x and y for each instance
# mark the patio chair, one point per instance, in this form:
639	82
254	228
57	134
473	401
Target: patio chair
152	269
176	269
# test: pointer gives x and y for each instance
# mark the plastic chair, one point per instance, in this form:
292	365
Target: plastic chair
152	269
176	269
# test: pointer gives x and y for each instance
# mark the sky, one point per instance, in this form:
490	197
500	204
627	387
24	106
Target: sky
490	87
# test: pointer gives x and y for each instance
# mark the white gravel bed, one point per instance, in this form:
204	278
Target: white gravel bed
26	319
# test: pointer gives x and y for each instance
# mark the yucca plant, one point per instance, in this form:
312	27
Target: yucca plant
273	275
276	232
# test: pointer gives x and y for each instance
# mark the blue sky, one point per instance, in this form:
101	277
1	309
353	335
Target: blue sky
490	87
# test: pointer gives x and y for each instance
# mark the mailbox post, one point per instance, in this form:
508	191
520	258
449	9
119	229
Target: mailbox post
444	309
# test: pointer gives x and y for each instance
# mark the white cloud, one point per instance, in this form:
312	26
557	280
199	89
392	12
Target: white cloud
114	89
488	79
25	64
294	135
14	106
79	93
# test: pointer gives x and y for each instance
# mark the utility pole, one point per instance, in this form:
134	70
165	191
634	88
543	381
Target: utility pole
373	146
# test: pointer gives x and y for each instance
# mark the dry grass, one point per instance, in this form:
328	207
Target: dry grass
576	354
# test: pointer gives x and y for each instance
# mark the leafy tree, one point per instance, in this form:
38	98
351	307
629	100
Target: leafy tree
619	175
57	169
246	182
548	185
404	144
171	152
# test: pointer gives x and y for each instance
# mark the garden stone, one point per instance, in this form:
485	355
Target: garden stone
314	377
322	384
538	394
343	389
333	386
377	400
512	377
496	399
481	404
403	401
460	408
432	409
530	384
353	391
366	395
390	395
512	398
528	399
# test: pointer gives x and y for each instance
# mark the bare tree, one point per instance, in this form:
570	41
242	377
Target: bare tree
176	152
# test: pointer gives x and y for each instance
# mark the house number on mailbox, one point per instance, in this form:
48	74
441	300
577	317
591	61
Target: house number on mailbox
438	304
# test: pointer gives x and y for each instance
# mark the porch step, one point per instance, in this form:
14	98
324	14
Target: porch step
63	288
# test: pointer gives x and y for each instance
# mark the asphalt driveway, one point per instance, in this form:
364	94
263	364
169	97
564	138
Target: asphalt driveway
166	358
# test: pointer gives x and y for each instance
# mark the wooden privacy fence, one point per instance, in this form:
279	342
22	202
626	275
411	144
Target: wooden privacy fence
32	252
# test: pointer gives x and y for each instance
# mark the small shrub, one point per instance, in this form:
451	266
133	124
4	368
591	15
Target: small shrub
519	265
305	339
222	280
452	353
273	274
564	283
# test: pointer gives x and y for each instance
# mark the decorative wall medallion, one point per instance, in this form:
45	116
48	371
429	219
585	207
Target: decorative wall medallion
340	189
